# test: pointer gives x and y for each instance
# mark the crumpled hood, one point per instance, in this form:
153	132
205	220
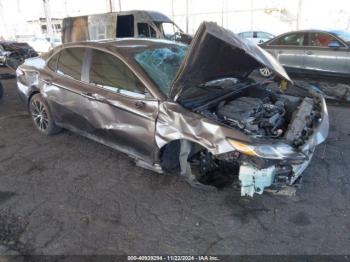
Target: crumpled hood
216	52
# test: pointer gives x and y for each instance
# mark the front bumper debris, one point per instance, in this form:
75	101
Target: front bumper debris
280	177
277	179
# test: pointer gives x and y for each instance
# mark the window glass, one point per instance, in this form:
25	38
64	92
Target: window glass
321	39
153	32
294	39
70	62
110	73
143	29
162	64
264	35
52	64
168	29
246	34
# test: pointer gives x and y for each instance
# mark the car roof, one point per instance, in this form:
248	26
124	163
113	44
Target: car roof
123	46
313	31
305	31
332	32
125	43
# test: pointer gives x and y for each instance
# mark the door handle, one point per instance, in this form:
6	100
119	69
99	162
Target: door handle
88	95
93	96
309	52
140	104
48	81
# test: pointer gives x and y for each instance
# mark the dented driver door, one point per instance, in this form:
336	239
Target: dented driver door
120	111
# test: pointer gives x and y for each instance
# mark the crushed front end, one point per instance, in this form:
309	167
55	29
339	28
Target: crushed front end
283	129
253	133
307	129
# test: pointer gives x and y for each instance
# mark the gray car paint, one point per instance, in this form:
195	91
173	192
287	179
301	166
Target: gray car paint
113	119
321	60
116	120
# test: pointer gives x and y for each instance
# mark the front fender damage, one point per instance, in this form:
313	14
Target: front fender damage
175	122
205	156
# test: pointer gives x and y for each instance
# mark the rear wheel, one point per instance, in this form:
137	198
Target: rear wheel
41	116
265	72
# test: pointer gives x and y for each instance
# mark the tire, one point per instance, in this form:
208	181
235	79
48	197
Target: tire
41	116
265	72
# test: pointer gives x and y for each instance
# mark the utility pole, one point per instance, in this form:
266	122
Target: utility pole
222	12
187	18
251	15
66	8
48	18
4	32
172	10
110	5
300	6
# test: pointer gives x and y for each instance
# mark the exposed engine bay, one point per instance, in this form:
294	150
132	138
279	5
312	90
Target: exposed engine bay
270	117
263	114
259	117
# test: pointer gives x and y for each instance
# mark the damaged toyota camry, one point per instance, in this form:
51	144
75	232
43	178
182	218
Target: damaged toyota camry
191	110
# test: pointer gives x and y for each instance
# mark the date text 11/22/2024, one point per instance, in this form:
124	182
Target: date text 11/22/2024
173	258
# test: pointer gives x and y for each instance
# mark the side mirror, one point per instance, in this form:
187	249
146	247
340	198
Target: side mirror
334	44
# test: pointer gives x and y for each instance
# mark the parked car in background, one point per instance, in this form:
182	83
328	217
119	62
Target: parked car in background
187	109
312	52
16	50
257	37
44	44
135	23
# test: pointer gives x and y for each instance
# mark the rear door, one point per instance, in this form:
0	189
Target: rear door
319	56
289	50
64	90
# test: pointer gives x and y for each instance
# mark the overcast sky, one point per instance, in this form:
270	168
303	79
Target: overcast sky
237	16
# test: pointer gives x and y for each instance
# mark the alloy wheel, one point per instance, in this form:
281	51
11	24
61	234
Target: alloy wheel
39	115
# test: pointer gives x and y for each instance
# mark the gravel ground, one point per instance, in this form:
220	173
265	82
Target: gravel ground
65	194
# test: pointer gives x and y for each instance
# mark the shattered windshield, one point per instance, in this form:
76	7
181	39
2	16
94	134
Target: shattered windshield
162	64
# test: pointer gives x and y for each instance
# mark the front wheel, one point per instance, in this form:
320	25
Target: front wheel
41	116
265	72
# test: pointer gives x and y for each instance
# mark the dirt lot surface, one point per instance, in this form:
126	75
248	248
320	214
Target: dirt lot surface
65	194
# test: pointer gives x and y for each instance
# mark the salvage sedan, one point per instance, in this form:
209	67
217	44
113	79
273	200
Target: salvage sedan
178	109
